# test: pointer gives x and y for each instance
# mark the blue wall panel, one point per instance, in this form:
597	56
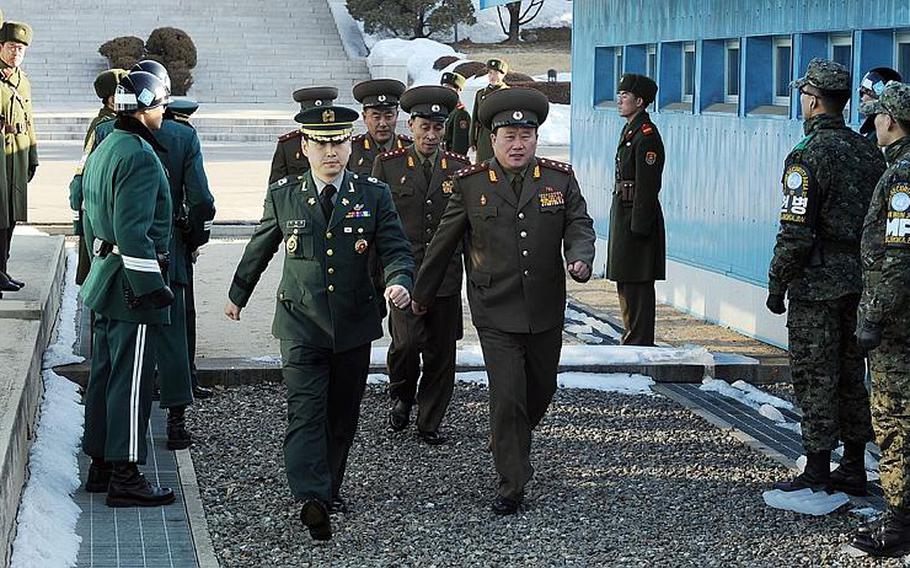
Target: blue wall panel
722	176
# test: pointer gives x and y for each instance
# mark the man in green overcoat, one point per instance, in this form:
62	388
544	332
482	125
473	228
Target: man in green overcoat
458	124
479	138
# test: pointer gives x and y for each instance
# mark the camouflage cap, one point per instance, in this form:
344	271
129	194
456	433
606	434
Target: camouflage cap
106	82
824	74
19	32
894	100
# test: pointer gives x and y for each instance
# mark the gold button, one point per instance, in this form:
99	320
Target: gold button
332	286
328	235
330	252
331	270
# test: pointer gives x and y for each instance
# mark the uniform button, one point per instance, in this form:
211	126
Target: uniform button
331	270
429	217
428	243
328	235
330	252
521	215
523	234
526	272
429	202
524	253
429	230
332	286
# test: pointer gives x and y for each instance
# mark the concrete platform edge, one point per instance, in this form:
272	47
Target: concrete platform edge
199	528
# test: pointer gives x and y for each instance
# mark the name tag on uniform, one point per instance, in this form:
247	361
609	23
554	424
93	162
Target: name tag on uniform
296	223
551	197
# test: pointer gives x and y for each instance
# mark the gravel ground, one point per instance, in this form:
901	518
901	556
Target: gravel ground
620	481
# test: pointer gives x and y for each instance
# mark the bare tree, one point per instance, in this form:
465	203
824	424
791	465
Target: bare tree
518	18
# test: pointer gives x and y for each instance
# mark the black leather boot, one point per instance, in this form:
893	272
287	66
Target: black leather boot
814	477
129	488
850	475
99	476
891	539
400	415
178	438
315	517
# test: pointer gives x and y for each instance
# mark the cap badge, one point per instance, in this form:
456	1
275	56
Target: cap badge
381	98
434	108
317	102
328	116
518	115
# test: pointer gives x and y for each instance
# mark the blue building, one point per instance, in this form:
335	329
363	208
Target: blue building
728	120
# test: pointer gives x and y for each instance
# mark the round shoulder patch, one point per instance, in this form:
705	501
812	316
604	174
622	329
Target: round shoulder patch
900	198
796	178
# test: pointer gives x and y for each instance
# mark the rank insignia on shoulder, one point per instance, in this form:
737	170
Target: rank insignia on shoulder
493	177
647	129
554	165
448	186
464	172
282	181
650	158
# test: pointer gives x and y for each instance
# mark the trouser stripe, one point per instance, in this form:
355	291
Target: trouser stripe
135	385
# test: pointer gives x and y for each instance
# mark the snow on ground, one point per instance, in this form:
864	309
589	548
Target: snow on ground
46	534
621	383
805	501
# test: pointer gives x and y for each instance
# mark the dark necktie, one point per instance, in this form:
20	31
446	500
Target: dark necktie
516	184
427	170
325	200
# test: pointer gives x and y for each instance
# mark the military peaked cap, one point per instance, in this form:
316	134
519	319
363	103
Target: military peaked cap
314	97
328	123
183	106
379	93
106	82
16	31
639	85
824	74
455	79
517	106
429	101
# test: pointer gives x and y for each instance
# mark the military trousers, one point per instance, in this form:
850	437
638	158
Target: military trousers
828	372
432	336
173	355
638	306
191	321
324	394
522	372
118	399
6	240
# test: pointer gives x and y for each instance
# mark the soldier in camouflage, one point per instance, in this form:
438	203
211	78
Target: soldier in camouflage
883	330
827	185
870	88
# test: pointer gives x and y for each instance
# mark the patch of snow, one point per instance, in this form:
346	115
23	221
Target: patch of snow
756	394
28	230
420	54
46	534
805	501
557	129
866	512
771	413
745	394
621	383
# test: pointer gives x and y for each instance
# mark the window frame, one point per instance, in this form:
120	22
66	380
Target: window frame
778	42
900	37
651	51
730	45
688	47
618	69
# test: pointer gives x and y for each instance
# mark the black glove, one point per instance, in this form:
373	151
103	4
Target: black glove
31	172
775	303
869	336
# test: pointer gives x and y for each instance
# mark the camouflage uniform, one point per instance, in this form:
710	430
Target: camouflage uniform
886	276
827	183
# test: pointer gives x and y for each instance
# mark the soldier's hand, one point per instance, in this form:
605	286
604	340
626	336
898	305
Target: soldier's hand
418	309
31	172
775	304
869	336
579	270
232	311
398	295
194	255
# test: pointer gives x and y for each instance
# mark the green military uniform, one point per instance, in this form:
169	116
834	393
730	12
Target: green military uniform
105	85
289	159
128	220
517	227
886	262
421	187
364	151
827	182
380	94
636	250
20	141
458	123
193	210
479	136
326	313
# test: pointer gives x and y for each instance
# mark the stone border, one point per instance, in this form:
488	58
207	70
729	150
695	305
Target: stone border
195	513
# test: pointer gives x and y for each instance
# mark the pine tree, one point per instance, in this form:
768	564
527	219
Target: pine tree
411	18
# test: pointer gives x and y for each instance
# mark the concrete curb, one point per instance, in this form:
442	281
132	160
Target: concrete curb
28	325
195	513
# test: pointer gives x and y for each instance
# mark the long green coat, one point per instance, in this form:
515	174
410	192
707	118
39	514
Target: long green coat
637	248
479	136
20	144
326	298
128	204
458	130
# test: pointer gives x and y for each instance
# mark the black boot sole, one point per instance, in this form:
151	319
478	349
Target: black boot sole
316	518
882	553
125	501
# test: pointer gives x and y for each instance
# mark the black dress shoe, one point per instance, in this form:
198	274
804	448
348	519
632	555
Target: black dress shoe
7	285
338	505
129	488
99	476
202	392
15	282
315	517
505	506
431	438
400	415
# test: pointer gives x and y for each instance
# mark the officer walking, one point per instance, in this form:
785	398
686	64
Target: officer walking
458	124
289	159
518	215
479	138
883	328
828	182
870	88
105	85
379	98
20	141
127	220
327	221
193	210
636	252
419	176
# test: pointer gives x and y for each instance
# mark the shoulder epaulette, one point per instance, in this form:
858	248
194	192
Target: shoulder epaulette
284	181
647	129
457	157
471	170
289	135
554	165
358	138
392	154
405	138
367	180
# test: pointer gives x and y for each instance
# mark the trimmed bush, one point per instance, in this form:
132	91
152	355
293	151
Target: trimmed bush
171	47
444	62
470	69
557	93
516	77
123	52
172	44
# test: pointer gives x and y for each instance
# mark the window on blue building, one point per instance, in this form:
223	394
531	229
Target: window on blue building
782	70
617	69
688	66
651	65
731	75
841	49
607	69
902	54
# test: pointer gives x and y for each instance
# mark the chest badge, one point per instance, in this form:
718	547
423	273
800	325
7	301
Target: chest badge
448	186
403	179
291	244
311	201
483	199
360	162
345	201
358	206
360	246
650	158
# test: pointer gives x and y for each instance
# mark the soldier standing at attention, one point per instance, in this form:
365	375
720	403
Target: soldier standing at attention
127	220
883	328
193	209
828	182
458	124
870	88
636	252
289	159
379	98
479	138
523	222
20	141
105	85
327	221
421	187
